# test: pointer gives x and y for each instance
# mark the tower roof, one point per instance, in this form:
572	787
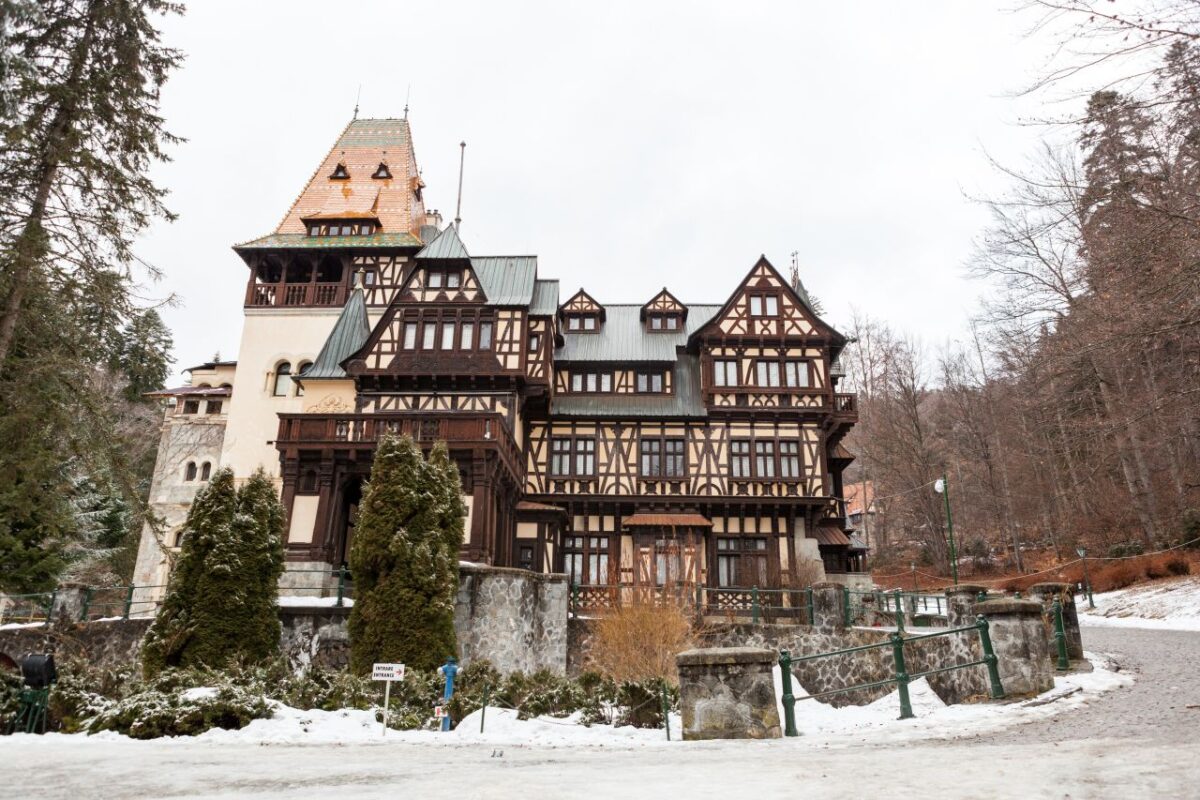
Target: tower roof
349	333
358	154
445	246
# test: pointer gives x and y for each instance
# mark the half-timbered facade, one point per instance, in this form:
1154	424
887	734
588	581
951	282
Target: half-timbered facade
648	444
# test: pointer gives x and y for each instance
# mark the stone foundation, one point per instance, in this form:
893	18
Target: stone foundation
728	693
1045	593
1019	640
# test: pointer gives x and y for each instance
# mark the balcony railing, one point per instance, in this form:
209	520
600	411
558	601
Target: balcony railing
845	404
296	294
364	430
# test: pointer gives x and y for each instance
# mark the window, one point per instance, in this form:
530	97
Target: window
430	334
741	562
410	335
725	372
435	279
453	280
467	339
560	457
582	322
574	323
428	430
299	388
283	379
589	323
663	458
439	278
535	342
447	335
649	382
585	456
664	322
205	471
585	559
485	336
764	305
795	374
370	276
525	557
789	459
382	171
764	459
739	458
591	381
189	472
191	406
339	173
341	228
213	407
766	373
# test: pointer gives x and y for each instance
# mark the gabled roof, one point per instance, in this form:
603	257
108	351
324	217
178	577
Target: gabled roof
623	337
664	302
349	333
545	298
446	245
582	303
506	280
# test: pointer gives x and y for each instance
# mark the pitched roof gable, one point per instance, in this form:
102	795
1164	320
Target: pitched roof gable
445	247
349	333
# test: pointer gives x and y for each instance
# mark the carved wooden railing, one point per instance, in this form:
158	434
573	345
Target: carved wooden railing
296	294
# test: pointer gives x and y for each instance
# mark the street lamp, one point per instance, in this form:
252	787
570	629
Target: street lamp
1087	582
942	487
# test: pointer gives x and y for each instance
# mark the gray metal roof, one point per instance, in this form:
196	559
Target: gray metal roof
506	280
545	298
685	402
624	337
445	245
349	334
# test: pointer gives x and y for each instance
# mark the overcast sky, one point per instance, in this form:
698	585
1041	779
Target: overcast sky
628	145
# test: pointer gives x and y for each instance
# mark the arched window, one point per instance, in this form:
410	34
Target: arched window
283	379
330	270
189	472
205	471
299	271
179	537
303	366
269	271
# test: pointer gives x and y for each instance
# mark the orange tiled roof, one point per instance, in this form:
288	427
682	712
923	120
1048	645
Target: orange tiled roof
361	147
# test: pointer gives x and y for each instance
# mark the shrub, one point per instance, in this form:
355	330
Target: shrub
1116	576
157	712
404	559
1126	549
1178	565
639	642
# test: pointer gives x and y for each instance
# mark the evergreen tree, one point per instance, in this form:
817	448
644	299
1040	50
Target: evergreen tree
404	558
221	600
143	355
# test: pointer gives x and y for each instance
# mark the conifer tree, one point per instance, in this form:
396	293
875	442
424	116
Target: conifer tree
221	601
404	558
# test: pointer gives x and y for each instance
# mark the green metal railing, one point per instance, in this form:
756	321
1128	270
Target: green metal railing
340	585
26	608
116	601
900	677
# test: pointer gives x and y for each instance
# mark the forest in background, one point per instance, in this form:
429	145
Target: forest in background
1070	415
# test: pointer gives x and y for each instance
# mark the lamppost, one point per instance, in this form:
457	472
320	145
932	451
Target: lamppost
1087	582
916	586
942	487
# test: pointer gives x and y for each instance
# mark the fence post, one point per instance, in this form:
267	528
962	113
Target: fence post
982	597
87	604
128	602
789	699
50	605
1060	636
754	604
483	709
809	592
989	657
906	711
846	604
662	697
341	595
899	598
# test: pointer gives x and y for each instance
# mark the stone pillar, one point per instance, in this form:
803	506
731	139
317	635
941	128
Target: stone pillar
829	612
1019	640
728	693
960	603
1065	592
68	604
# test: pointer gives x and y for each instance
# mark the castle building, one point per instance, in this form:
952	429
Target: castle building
648	444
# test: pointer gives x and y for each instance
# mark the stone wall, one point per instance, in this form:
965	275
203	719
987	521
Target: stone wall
315	637
728	693
108	643
514	618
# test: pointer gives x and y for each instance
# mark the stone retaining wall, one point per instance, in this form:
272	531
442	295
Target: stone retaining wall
728	693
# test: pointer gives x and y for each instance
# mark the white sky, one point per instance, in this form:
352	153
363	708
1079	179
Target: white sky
628	145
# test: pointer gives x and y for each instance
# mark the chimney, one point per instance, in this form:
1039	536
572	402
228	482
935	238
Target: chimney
433	218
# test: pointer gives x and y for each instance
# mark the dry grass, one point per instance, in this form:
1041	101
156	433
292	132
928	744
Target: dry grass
639	641
1107	576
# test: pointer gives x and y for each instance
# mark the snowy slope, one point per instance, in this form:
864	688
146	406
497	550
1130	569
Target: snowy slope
1172	604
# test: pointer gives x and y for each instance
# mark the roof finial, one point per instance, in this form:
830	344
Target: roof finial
795	276
359	277
462	154
407	93
357	97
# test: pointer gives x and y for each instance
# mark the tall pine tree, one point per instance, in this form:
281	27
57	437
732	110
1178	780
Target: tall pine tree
404	558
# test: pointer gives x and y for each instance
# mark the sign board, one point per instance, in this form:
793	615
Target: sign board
439	712
387	672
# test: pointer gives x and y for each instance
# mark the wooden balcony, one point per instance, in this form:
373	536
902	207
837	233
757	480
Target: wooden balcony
265	295
363	431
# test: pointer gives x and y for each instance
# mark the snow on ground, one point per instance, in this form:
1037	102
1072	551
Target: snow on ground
312	602
819	724
1172	604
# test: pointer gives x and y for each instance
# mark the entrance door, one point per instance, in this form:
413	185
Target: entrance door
668	563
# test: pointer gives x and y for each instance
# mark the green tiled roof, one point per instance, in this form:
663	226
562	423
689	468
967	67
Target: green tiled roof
624	337
374	133
686	402
349	333
545	298
506	280
446	245
280	240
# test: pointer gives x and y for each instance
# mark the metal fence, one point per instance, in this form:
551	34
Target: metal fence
760	605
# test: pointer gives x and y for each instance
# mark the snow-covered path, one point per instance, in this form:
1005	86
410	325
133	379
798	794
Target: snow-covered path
1135	741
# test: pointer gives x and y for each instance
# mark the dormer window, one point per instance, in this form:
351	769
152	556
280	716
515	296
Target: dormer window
382	172
650	382
663	322
588	323
342	228
764	305
339	173
445	278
